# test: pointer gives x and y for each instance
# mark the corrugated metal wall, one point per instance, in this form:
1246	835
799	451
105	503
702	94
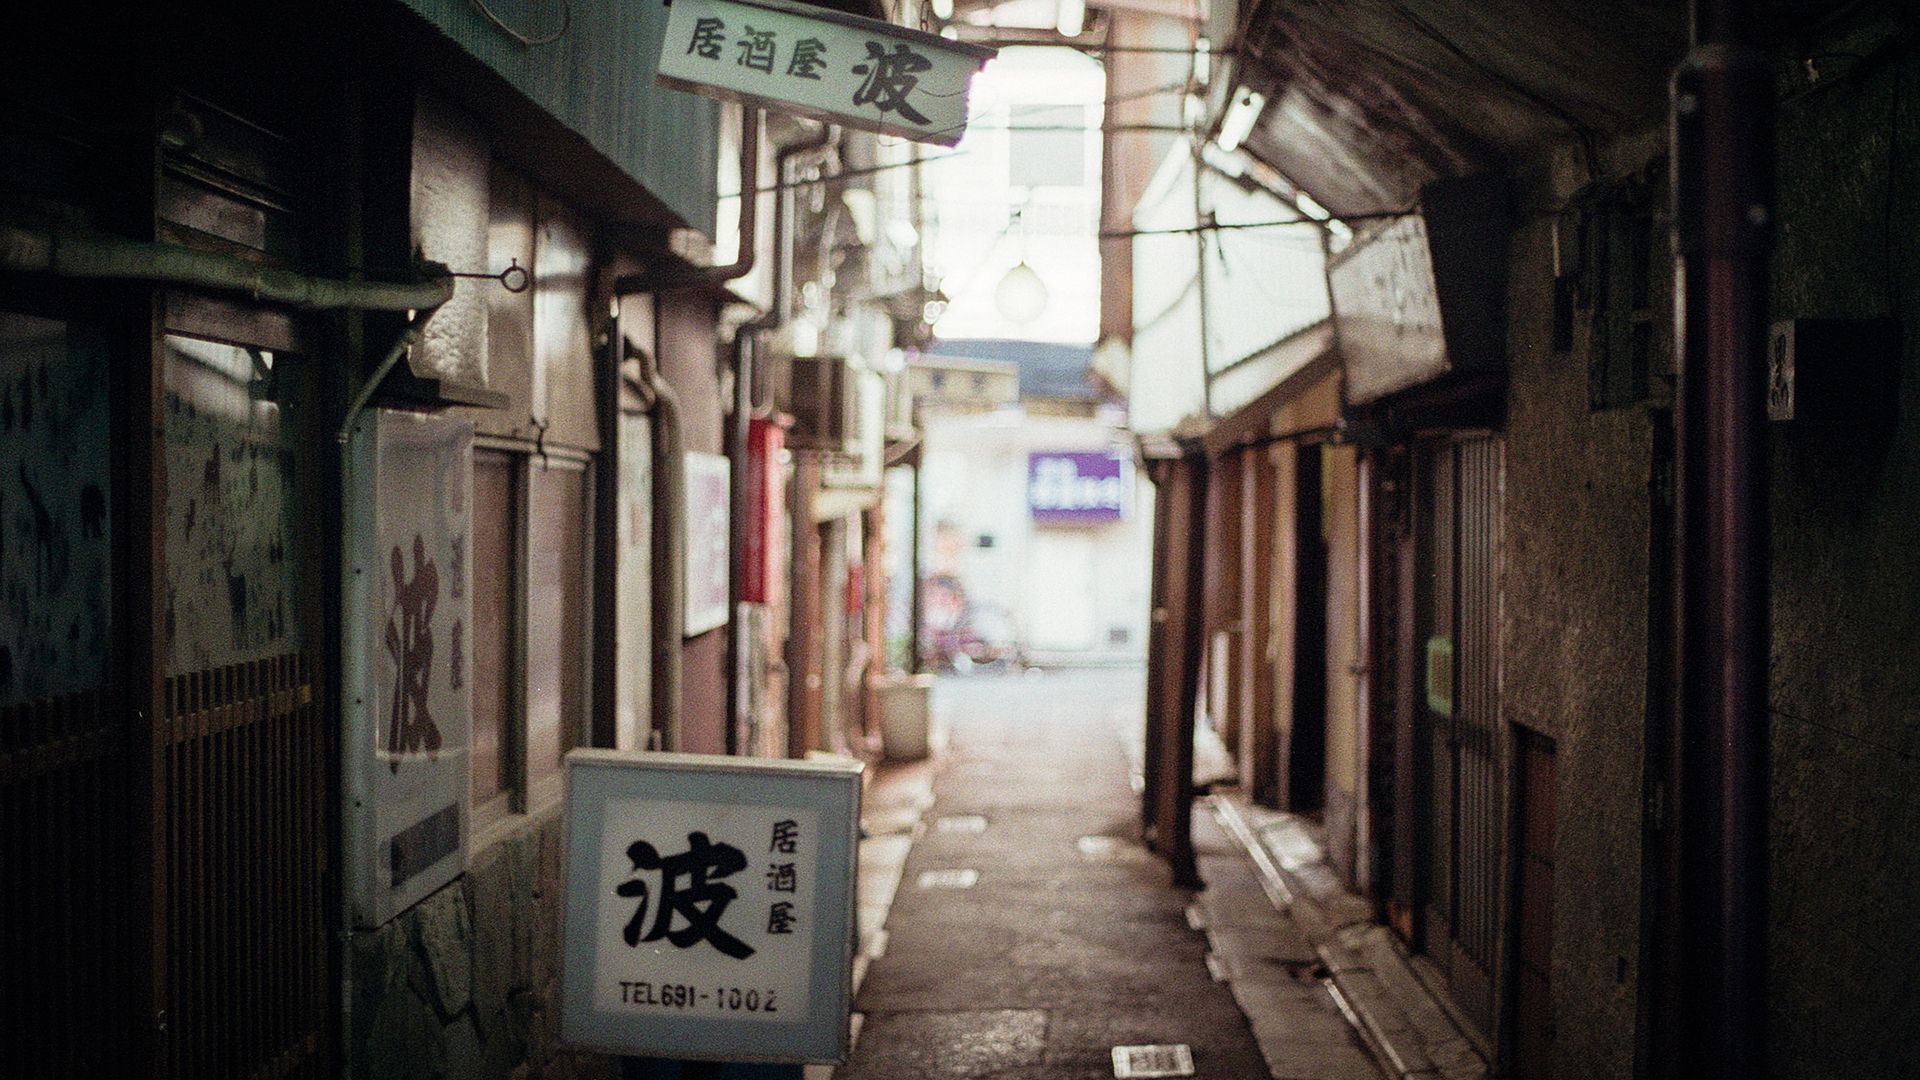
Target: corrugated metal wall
596	77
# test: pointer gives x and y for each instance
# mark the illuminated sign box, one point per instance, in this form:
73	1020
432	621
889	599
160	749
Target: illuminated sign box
842	69
1077	488
709	906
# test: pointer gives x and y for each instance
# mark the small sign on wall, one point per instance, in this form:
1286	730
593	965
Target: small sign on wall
708	541
709	906
407	658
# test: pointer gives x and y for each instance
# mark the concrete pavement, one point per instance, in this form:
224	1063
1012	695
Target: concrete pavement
1066	939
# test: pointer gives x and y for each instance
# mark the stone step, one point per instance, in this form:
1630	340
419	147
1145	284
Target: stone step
1368	976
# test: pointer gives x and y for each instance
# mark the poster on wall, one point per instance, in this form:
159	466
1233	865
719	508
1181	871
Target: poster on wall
56	547
709	906
407	656
708	543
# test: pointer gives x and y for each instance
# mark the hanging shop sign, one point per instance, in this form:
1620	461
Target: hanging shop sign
834	67
1423	296
709	906
407	658
1077	488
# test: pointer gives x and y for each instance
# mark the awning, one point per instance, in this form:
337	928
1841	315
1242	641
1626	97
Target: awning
1306	400
1368	100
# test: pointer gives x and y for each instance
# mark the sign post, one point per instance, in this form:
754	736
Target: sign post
709	906
839	68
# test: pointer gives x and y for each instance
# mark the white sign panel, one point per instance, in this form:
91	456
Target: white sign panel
824	64
708	553
709	906
407	658
1388	312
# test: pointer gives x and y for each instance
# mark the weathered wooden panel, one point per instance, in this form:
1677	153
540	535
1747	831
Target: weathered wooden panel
248	973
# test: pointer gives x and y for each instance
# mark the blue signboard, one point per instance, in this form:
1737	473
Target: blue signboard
1077	487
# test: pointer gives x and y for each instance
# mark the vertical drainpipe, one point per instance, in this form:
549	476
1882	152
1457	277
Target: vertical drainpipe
1723	207
1178	828
606	536
915	602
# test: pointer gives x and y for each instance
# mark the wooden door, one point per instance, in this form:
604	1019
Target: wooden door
1455	780
248	808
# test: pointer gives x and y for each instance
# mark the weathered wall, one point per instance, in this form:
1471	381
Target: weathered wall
1846	612
466	983
1573	634
1131	156
690	359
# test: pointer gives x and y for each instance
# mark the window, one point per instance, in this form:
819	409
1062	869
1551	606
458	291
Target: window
532	536
495	584
558	621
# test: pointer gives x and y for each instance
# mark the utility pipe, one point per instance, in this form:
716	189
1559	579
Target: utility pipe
407	340
745	355
670	545
1723	216
669	445
80	255
103	257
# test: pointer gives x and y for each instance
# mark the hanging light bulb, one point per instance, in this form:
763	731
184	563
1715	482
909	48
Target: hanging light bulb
1021	296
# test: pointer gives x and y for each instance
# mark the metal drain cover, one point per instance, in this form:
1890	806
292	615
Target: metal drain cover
966	824
1166	1059
948	879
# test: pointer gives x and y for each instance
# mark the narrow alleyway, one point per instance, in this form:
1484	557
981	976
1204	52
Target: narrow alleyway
1072	941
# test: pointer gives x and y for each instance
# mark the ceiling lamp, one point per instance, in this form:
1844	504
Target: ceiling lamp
1021	296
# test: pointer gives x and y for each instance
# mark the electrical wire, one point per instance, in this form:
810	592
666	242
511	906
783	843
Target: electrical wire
1219	226
566	22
